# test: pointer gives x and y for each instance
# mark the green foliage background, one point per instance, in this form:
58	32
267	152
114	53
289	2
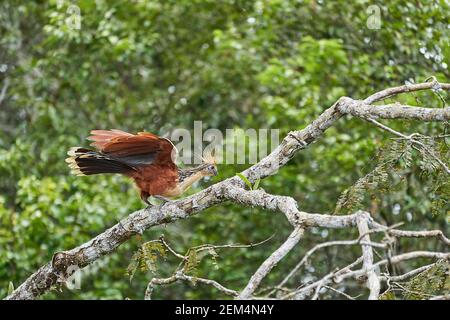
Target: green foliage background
231	64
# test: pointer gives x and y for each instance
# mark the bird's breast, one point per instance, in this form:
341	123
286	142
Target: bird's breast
157	180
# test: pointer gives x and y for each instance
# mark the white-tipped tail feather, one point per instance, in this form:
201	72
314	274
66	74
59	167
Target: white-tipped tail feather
72	153
83	162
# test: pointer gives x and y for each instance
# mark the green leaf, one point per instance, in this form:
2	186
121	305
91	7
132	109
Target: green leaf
256	185
192	262
132	266
429	282
247	182
145	258
10	288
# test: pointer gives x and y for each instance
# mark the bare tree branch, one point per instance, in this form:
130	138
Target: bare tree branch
270	262
414	141
137	222
321	246
180	273
373	283
387	93
438	234
288	206
304	292
407	275
340	292
397	259
183	277
393	111
346	272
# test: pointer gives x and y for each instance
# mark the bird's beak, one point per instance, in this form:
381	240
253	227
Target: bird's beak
214	172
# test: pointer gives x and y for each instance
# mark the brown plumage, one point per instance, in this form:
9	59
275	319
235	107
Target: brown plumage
145	157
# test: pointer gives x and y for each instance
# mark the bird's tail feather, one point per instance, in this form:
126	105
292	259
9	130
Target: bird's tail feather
84	162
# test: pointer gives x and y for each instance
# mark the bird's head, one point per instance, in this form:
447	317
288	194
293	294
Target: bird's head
209	166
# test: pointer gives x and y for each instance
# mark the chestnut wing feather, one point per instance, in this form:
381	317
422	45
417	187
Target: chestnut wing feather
137	150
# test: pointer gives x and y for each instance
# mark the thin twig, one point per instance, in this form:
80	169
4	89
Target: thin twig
406	276
340	292
270	262
302	293
3	92
180	275
236	245
412	140
176	254
321	246
438	234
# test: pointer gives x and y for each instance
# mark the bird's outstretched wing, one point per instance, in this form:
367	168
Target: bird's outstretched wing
135	150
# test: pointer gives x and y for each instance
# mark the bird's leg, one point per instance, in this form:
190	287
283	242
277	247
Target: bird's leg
144	197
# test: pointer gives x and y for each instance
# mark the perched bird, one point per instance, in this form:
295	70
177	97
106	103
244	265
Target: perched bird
144	157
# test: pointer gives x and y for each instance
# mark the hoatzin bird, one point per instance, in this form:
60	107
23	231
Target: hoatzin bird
144	157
